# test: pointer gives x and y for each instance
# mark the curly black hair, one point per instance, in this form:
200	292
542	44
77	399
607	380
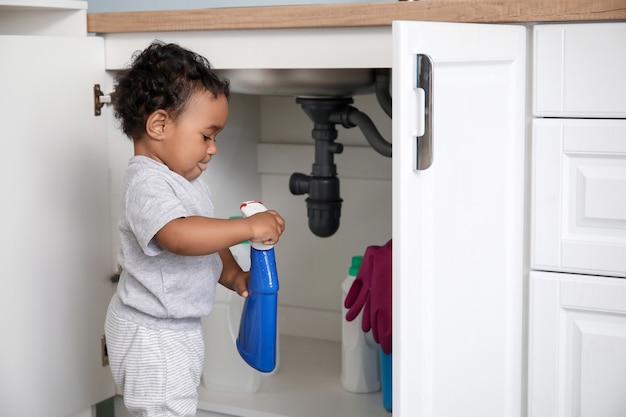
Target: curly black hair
162	76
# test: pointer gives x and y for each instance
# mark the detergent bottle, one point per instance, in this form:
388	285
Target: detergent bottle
257	341
360	371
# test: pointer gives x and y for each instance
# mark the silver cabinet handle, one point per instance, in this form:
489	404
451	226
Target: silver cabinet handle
424	81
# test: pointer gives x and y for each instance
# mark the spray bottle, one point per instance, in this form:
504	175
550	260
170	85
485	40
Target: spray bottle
257	331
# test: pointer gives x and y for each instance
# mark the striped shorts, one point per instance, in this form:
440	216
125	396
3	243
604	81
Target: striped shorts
157	370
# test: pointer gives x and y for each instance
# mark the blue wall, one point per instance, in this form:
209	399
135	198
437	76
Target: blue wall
95	6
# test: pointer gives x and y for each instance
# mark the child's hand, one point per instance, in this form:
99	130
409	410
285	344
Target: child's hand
266	227
232	276
238	283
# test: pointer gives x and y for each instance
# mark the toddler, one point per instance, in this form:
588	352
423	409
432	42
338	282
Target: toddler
173	250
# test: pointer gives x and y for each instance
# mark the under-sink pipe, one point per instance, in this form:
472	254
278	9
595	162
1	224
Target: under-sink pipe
322	186
350	117
382	82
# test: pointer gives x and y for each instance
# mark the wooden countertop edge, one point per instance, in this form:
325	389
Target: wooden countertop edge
358	15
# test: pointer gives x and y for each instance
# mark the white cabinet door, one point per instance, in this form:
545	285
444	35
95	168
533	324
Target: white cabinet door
56	250
458	226
577	353
579	196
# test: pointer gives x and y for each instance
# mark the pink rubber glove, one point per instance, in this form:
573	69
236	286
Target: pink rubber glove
380	298
358	297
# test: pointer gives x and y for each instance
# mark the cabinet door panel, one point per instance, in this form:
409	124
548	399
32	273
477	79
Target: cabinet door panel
577	354
458	225
56	256
579	196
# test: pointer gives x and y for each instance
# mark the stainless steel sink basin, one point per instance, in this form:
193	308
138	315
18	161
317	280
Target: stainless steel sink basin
301	82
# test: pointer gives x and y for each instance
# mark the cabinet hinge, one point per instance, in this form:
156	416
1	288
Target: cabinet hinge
99	100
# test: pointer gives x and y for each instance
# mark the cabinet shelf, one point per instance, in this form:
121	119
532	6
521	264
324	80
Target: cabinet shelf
307	384
29	5
43	18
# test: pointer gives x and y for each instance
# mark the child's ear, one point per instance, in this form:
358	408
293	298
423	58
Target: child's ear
156	124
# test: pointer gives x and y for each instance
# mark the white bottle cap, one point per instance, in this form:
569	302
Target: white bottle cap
248	208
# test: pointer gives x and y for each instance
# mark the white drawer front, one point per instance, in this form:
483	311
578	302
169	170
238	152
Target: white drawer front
577	346
579	196
579	70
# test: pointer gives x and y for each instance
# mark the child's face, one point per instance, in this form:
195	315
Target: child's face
190	140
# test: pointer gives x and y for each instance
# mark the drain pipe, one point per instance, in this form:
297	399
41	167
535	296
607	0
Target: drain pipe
350	117
322	186
381	84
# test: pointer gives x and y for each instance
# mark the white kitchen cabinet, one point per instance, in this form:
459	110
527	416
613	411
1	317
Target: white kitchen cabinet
578	220
579	165
577	350
458	225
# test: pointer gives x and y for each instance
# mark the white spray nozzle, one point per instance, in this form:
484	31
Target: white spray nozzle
248	208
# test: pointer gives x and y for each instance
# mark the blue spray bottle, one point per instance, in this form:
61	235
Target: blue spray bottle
257	331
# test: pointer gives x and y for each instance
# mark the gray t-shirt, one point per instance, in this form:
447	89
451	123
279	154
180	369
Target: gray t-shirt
158	288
